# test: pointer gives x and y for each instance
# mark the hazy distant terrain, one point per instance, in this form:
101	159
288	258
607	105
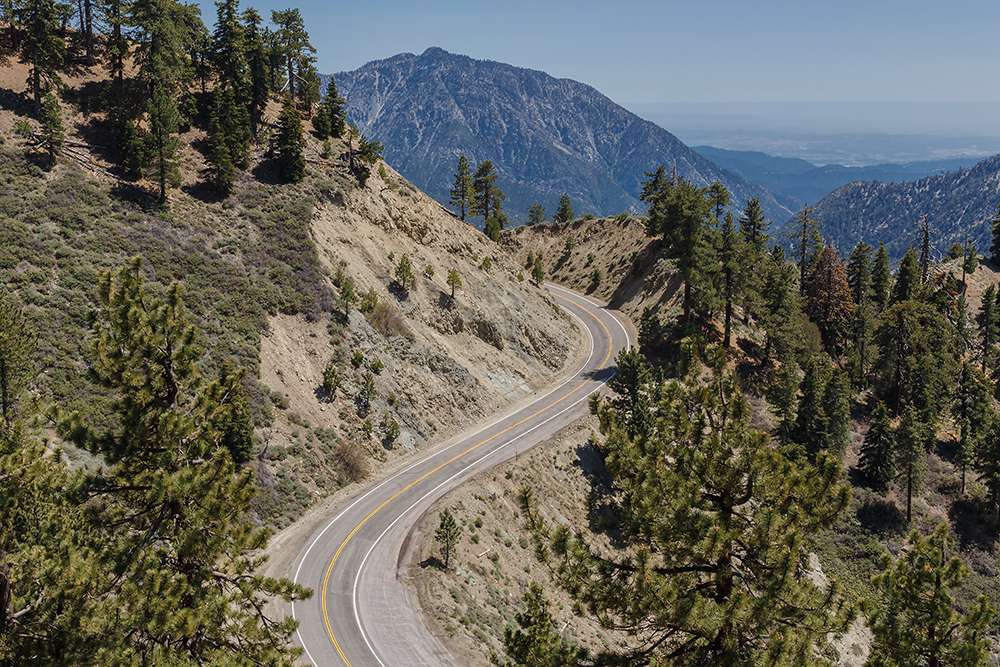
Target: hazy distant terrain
796	182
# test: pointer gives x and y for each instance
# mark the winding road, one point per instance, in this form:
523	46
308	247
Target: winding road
360	613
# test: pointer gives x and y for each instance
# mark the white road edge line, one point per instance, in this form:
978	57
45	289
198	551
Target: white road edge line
571	378
357	578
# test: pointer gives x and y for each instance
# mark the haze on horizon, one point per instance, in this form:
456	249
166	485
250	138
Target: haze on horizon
708	69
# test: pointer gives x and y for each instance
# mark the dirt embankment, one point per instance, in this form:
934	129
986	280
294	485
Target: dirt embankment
611	259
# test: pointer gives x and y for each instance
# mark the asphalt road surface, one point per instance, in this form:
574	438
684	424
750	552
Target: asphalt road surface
360	613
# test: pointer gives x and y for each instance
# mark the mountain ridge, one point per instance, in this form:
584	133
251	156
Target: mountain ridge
545	135
958	204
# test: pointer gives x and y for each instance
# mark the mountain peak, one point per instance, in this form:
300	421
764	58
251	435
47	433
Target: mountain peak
434	52
546	136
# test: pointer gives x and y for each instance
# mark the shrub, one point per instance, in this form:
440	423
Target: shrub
352	460
390	431
387	320
376	366
369	301
486	264
428	272
331	380
357	359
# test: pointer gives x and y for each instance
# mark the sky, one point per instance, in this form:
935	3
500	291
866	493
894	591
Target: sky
649	55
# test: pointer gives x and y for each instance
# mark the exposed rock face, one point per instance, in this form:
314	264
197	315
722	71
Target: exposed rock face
545	135
957	204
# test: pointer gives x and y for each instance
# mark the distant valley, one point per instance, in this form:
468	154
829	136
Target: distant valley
796	182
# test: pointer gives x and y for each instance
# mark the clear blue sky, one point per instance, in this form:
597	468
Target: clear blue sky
691	51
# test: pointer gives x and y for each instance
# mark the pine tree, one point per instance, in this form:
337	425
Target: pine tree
233	86
404	277
447	535
169	509
881	278
536	214
925	248
680	211
877	461
454	281
753	225
705	587
973	413
915	622
292	46
916	360
782	310
348	295
538	270
221	171
162	141
859	277
829	303
488	197
807	242
309	84
257	62
536	642
291	161
41	45
493	227
719	198
52	132
811	420
837	411
913	438
989	322
161	59
908	283
462	194
116	47
331	119
730	253
995	243
564	213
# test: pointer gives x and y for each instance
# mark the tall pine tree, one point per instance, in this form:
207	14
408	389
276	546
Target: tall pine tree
461	193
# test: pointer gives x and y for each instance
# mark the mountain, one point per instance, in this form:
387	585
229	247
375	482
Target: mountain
796	182
958	204
545	135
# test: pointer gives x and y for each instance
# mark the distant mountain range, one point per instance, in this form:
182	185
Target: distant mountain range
796	182
958	204
545	135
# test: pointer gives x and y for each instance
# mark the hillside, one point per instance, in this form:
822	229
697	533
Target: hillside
260	270
545	135
796	182
472	606
958	204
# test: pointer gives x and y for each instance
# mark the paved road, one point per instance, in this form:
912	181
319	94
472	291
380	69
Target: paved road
361	614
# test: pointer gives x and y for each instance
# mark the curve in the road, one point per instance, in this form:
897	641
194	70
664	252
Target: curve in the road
351	563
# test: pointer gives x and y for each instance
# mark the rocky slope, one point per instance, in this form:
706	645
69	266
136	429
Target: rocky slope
545	135
261	271
958	204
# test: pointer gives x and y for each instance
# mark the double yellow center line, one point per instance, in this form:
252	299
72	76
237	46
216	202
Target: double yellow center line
361	524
